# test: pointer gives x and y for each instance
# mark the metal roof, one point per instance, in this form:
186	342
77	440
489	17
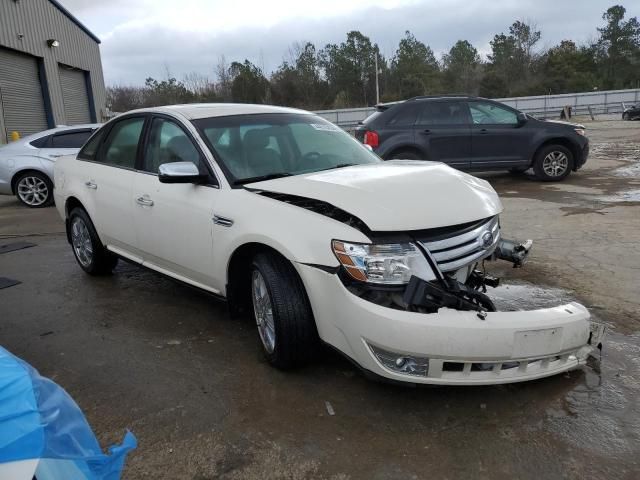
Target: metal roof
70	16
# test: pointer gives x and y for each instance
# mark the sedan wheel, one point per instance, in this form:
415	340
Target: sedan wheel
263	310
34	190
81	242
91	255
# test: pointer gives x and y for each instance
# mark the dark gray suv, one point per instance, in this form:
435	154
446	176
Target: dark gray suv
471	133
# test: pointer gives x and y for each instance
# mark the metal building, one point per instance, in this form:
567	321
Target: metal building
50	69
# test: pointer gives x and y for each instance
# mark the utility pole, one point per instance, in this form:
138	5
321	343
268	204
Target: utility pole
377	82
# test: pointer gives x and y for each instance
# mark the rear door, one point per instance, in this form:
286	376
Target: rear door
443	130
498	138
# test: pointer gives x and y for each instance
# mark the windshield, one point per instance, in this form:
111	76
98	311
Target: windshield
256	147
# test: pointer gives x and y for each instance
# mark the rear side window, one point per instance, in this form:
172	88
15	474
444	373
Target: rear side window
443	113
406	115
41	142
121	145
70	140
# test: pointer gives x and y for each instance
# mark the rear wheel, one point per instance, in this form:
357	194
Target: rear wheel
91	255
553	163
405	155
282	312
34	189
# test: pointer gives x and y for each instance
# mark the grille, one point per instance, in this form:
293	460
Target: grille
468	245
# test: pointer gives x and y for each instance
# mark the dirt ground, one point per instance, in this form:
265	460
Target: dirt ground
140	352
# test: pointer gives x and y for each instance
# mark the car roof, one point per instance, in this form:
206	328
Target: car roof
194	111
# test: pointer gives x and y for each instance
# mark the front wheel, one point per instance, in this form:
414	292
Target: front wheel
282	312
91	255
34	189
553	163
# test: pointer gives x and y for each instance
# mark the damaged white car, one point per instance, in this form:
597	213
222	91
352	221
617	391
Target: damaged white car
289	218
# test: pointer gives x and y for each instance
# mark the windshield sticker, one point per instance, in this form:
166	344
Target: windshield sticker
325	127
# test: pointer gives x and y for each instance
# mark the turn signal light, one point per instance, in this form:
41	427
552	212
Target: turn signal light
371	139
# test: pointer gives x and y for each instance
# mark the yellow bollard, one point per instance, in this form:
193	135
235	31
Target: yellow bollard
13	136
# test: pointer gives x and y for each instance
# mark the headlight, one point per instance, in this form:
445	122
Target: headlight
385	264
579	131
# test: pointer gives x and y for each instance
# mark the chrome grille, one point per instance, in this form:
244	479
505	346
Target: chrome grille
459	249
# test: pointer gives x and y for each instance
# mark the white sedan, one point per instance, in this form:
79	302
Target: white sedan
26	165
291	220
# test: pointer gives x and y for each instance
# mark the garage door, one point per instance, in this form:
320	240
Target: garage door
74	96
21	94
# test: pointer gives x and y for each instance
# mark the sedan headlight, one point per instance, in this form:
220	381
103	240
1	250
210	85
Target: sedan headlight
384	264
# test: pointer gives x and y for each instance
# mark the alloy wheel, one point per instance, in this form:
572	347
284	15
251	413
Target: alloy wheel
81	241
555	164
33	191
263	310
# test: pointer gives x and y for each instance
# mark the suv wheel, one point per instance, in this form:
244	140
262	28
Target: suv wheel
553	163
91	255
34	189
282	312
405	155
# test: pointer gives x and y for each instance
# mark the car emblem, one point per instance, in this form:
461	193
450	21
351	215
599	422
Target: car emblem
487	239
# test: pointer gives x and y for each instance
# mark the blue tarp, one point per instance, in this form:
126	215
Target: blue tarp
39	420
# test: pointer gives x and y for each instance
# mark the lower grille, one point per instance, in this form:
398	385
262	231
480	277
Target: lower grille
461	248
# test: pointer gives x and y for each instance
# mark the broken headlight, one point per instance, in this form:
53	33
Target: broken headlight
384	264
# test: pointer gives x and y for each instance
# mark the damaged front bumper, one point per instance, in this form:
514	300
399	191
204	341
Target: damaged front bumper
450	346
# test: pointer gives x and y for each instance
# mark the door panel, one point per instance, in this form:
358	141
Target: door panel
497	136
175	221
443	130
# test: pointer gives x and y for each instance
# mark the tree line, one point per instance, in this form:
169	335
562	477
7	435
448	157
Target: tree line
343	75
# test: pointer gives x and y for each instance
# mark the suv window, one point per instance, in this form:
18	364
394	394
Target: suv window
121	144
169	143
73	139
406	115
490	113
443	113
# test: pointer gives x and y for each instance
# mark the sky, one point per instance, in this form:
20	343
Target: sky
143	38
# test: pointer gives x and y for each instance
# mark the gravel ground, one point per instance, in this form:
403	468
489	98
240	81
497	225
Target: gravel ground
140	352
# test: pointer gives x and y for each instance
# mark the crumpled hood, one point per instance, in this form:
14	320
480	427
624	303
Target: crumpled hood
397	195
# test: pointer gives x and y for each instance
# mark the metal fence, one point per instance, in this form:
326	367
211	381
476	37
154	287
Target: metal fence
547	106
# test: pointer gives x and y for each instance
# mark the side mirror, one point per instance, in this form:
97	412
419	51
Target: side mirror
180	172
522	118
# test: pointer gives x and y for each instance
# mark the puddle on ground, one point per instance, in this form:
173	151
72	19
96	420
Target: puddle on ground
601	413
628	196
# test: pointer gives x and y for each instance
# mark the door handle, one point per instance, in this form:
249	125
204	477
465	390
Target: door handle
426	131
483	131
145	201
91	185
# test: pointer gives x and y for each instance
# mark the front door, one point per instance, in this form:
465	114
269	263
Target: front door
443	130
498	138
174	221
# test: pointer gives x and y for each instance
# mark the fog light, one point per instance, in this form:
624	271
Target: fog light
400	363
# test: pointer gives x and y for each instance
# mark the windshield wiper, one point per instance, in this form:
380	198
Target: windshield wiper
260	178
340	165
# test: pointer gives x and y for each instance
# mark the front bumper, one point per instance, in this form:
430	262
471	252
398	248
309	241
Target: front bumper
461	348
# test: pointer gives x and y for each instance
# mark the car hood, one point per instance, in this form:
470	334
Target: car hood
568	124
397	195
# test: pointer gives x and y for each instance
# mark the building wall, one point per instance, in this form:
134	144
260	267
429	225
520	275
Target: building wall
26	25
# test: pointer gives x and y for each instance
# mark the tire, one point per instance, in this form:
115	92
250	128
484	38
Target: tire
34	189
553	163
90	254
291	338
405	155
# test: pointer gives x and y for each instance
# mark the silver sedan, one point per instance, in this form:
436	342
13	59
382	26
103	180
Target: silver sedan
26	165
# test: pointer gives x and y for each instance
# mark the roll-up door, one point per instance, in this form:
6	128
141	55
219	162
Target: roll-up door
23	108
74	96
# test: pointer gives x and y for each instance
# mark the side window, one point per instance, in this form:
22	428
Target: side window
443	113
492	114
169	143
71	139
41	142
88	152
121	144
406	115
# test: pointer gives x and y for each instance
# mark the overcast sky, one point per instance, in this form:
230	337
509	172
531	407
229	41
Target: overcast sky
142	38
